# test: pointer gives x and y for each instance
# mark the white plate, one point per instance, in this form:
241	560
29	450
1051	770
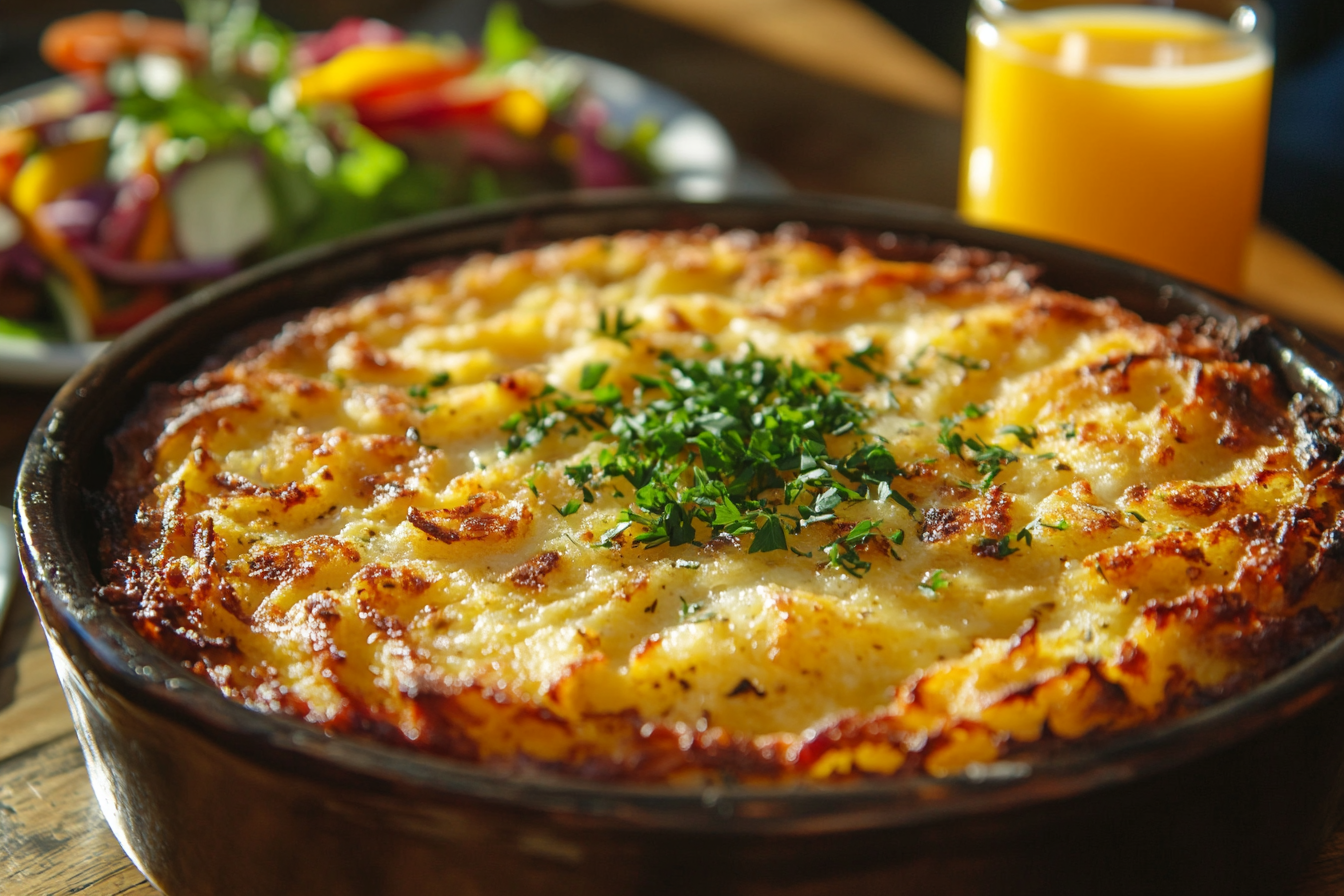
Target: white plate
9	562
26	362
694	152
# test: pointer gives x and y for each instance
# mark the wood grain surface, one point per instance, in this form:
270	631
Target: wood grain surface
815	122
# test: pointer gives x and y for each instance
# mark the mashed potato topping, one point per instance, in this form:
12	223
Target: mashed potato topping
668	505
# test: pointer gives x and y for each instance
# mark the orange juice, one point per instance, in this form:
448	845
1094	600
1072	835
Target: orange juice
1131	130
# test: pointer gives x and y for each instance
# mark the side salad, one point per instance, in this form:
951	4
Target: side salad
176	152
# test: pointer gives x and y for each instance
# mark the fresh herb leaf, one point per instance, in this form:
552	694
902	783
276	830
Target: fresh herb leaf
617	326
504	40
769	537
996	547
934	580
948	436
369	163
580	474
843	552
688	612
1027	435
964	361
989	458
609	536
592	375
905	502
861	357
570	507
607	393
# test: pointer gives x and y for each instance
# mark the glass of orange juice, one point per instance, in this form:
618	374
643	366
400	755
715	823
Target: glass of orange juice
1134	129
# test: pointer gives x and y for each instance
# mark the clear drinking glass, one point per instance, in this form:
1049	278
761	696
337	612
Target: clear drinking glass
1136	129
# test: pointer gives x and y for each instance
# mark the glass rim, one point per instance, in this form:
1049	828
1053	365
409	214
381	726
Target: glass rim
1249	22
1260	16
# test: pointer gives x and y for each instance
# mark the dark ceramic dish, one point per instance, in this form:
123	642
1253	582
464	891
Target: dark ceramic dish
211	798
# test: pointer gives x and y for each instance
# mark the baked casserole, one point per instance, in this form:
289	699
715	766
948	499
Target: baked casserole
689	505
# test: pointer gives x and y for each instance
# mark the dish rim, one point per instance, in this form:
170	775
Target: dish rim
112	656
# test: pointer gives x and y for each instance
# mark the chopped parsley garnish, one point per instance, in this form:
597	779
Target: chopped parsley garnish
569	508
1138	516
843	551
723	448
1069	429
1027	435
609	537
688	612
989	458
616	326
934	580
581	475
1025	533
422	390
997	548
908	374
861	358
592	375
964	362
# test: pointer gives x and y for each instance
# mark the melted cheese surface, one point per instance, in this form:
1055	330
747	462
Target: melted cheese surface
327	525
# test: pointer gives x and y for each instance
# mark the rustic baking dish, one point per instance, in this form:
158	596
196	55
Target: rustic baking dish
207	796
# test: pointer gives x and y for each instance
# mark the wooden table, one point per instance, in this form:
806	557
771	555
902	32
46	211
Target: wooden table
794	95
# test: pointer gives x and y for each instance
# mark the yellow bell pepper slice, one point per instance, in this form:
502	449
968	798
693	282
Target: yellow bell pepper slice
44	177
358	70
522	111
48	174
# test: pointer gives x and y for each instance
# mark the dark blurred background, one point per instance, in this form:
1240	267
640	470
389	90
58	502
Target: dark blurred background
903	153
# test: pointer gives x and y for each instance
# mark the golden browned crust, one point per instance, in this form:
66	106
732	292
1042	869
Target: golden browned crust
327	525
